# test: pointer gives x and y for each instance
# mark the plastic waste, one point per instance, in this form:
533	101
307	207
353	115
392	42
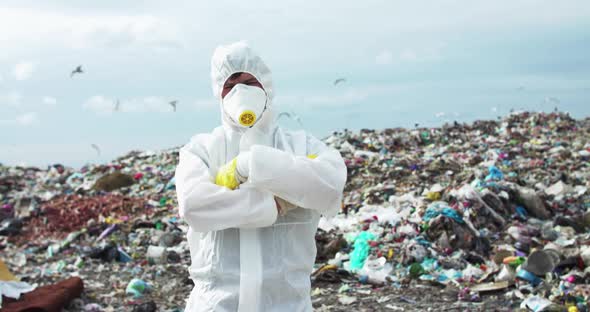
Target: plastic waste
361	250
137	287
535	303
514	261
506	189
10	227
440	208
533	203
415	270
156	254
506	274
494	174
541	262
558	189
501	255
528	277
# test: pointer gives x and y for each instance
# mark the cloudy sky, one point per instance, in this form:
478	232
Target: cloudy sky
404	62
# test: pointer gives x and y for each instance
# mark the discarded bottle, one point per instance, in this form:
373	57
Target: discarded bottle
514	261
137	287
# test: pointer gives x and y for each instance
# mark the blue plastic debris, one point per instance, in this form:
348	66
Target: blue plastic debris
529	277
361	250
440	208
124	256
521	212
137	287
495	174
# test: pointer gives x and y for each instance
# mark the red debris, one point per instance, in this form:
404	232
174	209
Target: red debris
65	214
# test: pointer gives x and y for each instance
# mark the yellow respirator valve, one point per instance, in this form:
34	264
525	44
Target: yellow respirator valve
247	118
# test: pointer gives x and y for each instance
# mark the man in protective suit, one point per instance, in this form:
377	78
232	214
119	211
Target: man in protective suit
252	195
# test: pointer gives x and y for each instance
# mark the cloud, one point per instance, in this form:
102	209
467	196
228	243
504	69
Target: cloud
103	105
440	114
23	70
99	104
88	30
49	101
147	104
25	119
384	58
142	31
408	55
10	99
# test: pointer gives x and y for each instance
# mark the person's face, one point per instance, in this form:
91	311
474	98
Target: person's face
243	78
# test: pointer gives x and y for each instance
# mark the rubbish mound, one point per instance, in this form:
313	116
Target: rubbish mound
492	214
496	210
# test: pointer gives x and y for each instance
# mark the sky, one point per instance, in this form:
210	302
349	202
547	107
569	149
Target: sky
404	62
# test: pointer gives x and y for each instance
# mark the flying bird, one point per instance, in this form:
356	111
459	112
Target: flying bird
117	106
78	70
96	148
339	80
291	116
173	104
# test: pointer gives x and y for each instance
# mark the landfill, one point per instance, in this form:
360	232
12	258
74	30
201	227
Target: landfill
492	215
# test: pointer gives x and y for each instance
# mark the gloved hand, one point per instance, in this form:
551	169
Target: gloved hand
226	175
235	172
284	206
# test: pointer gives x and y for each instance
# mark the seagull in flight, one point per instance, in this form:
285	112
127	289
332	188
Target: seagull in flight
96	148
78	70
339	80
173	104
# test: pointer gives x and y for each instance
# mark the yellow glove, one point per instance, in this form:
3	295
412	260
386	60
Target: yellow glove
226	176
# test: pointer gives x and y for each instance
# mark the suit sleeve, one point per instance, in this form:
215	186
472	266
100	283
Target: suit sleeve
206	206
315	181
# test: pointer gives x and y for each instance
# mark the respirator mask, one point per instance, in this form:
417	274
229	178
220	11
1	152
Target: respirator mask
245	105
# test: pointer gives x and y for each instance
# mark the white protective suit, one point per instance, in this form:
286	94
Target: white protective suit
246	257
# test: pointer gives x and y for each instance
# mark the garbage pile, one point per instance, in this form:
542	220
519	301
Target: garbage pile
495	206
115	226
489	212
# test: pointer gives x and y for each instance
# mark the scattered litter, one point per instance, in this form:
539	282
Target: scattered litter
346	300
465	212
